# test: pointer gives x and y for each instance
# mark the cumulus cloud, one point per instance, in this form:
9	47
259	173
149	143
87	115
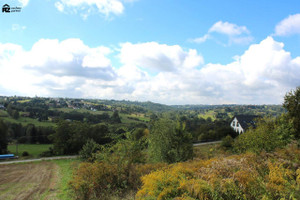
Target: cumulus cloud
51	65
288	26
69	58
262	74
159	57
87	7
236	34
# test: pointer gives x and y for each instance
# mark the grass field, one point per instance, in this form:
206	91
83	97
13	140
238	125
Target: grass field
34	150
24	120
37	181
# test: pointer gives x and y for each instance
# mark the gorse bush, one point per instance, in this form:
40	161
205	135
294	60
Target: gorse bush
246	176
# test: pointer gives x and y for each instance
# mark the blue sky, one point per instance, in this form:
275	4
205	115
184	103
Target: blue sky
166	51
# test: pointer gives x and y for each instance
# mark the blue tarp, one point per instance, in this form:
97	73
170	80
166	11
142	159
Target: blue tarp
7	156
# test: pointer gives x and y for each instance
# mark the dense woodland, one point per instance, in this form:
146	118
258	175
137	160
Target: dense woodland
147	148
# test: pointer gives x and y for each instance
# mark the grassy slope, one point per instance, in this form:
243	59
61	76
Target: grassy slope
23	120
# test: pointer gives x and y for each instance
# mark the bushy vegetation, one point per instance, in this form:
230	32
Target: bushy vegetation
246	176
117	169
291	104
169	142
269	134
3	137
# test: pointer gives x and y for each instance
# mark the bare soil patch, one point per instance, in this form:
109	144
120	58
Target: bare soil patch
28	181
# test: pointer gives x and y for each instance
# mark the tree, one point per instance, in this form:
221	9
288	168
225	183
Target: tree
292	105
115	118
70	137
15	114
3	137
31	134
88	151
169	142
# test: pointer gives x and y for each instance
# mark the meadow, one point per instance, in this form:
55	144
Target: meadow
34	150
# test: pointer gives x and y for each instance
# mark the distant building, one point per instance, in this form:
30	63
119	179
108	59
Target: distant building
240	123
2	106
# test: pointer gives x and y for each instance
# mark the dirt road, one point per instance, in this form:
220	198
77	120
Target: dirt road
36	159
28	181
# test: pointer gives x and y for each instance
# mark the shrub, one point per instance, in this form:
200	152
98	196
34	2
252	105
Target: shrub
269	134
25	153
227	142
169	142
246	176
48	153
116	170
100	180
88	151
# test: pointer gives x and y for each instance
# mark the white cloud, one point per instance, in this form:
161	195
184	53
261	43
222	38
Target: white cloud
52	67
87	7
228	29
24	2
201	39
236	34
262	74
60	7
288	26
17	27
159	57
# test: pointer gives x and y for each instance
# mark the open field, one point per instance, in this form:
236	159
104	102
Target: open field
24	120
34	150
28	181
39	180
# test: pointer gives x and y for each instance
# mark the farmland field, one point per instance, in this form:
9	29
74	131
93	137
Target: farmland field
39	180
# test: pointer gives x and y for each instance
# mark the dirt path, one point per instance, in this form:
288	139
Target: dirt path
206	143
28	181
36	159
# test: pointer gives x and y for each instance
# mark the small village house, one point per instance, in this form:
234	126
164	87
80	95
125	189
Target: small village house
240	123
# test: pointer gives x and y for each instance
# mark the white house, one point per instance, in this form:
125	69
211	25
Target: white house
240	123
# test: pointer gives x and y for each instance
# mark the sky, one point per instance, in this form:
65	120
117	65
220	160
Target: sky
164	51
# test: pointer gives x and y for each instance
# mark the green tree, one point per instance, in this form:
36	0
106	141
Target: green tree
88	151
70	137
15	114
3	137
292	105
269	134
31	134
169	142
115	118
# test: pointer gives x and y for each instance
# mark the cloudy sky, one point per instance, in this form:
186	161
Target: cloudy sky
165	51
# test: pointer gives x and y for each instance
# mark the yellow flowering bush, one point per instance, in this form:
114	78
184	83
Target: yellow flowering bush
247	176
